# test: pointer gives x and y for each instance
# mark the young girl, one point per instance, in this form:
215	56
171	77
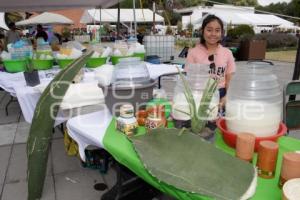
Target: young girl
211	52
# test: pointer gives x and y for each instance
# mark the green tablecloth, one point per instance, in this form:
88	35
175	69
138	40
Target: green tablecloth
122	150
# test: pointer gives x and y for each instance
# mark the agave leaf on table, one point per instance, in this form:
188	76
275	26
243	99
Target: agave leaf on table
40	134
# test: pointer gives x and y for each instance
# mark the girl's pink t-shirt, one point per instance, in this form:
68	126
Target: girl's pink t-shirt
223	60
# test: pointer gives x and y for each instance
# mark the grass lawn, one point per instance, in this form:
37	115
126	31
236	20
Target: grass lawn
286	56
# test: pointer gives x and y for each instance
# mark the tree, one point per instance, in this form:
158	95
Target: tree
190	27
295	7
244	2
179	26
169	30
291	9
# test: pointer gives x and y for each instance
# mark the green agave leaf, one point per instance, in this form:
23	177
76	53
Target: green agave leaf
188	93
198	119
207	96
40	134
187	162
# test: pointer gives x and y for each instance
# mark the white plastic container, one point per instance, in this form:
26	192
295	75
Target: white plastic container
160	45
254	101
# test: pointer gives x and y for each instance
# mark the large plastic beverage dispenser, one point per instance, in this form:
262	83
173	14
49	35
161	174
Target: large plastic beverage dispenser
254	100
197	77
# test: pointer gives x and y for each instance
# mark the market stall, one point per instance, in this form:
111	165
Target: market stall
86	130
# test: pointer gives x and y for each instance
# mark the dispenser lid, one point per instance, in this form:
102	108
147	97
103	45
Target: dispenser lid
131	71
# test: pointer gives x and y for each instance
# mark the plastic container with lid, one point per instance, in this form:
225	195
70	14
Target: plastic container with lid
130	71
197	77
43	48
254	100
131	83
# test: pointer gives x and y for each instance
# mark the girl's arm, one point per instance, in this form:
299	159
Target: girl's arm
228	79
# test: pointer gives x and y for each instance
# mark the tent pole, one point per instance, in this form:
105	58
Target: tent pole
134	18
296	73
100	22
153	4
118	22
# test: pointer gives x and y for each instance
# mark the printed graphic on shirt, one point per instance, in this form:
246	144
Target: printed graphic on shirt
217	73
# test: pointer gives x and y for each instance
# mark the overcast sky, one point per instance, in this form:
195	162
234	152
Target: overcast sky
267	2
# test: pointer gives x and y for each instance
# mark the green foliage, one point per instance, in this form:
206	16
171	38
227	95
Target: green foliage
169	31
188	42
244	2
190	27
240	30
107	27
292	9
40	135
278	40
179	26
174	17
66	32
190	3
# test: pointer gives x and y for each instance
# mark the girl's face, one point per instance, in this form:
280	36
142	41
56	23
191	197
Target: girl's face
212	33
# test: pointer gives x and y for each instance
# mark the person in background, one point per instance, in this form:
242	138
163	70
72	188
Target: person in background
40	33
13	34
140	37
210	51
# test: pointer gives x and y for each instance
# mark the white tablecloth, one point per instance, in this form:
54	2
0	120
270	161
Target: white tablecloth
14	83
89	129
9	80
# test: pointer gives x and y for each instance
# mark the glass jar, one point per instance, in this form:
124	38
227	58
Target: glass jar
254	100
156	117
126	122
197	77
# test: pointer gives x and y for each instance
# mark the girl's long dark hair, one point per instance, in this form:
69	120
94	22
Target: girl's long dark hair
207	20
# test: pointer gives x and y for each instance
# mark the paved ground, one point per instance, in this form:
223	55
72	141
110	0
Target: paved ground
66	178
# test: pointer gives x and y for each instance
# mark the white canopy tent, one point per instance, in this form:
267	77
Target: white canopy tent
44	5
126	15
264	19
2	21
46	18
283	26
252	19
